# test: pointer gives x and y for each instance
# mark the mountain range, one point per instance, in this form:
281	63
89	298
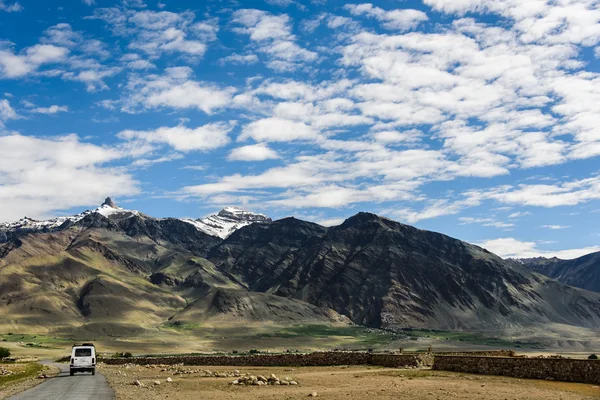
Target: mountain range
119	272
582	272
220	225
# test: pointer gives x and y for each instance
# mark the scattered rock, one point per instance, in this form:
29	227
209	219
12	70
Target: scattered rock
157	383
313	394
260	380
137	383
169	380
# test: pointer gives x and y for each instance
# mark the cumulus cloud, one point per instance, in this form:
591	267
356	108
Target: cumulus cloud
399	19
568	193
53	109
485	222
6	112
239	59
373	115
203	138
555	227
394	136
16	65
514	248
39	176
574	21
255	152
175	89
135	62
273	35
10	7
277	130
158	32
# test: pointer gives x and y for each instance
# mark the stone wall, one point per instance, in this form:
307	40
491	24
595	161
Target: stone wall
402	360
560	369
489	353
486	363
284	360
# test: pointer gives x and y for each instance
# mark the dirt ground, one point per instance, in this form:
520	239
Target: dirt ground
337	383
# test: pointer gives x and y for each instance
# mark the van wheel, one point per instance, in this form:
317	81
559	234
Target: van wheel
93	372
72	373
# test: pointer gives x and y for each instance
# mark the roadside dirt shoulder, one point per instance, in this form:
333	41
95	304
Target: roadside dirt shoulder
14	387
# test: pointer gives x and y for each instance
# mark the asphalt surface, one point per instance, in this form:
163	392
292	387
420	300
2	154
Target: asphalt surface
82	386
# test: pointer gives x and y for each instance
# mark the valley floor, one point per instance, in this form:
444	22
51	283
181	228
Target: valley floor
336	383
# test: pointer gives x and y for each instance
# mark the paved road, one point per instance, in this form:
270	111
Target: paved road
82	386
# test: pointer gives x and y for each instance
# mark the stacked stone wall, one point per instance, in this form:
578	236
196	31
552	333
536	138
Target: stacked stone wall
560	369
282	360
486	363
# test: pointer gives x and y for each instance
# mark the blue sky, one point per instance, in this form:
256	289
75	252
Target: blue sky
475	118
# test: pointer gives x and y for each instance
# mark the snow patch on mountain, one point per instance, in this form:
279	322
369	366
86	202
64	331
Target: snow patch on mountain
227	221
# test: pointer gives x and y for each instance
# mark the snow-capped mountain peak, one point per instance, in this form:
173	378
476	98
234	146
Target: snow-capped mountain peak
107	209
227	221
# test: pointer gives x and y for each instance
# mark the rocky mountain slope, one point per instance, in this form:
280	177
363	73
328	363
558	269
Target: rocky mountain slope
385	274
117	272
582	272
121	272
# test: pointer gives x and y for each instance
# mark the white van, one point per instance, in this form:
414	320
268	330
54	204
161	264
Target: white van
83	358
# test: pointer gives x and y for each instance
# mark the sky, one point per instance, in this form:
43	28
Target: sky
476	118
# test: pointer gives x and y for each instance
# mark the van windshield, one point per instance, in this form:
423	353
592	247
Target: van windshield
83	352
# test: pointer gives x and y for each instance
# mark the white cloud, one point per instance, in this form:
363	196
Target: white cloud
485	222
555	227
519	214
39	176
53	109
239	59
6	112
564	194
393	136
158	32
262	25
62	35
202	138
399	19
14	7
281	3
93	77
29	60
89	2
273	35
432	209
255	152
547	21
176	90
135	62
277	130
147	162
514	248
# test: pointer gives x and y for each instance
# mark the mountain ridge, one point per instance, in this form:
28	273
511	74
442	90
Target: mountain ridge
221	224
582	272
369	270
